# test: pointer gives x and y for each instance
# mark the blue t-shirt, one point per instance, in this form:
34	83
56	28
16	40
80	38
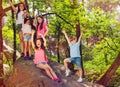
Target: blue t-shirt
74	50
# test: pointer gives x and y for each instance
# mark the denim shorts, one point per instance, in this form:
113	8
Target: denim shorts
27	38
44	63
76	60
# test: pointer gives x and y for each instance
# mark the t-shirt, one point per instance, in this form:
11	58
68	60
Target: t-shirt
41	31
20	19
26	28
40	56
74	50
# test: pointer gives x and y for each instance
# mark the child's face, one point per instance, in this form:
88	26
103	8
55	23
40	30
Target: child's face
28	22
73	41
39	20
21	6
38	43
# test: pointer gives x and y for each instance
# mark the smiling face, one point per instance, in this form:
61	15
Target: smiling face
38	43
73	39
39	19
21	7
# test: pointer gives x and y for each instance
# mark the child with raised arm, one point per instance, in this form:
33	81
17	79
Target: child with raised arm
20	15
27	33
40	25
75	56
40	59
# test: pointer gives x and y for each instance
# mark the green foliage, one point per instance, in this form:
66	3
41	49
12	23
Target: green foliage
97	56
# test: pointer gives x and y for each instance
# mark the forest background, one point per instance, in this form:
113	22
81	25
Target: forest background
100	42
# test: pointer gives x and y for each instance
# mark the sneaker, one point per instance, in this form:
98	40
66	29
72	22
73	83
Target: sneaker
25	57
80	80
30	58
22	55
57	80
67	73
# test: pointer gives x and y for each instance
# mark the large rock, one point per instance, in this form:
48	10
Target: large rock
27	75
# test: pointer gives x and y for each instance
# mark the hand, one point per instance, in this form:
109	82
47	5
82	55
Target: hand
41	35
63	31
83	31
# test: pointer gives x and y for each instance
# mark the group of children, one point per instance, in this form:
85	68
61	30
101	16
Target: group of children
26	35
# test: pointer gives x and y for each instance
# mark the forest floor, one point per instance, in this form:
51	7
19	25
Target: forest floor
27	75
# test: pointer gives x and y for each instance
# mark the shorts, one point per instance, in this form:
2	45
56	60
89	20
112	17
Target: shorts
27	38
44	63
19	27
76	60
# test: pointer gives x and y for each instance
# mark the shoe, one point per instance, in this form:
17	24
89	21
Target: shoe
80	80
22	55
57	80
67	73
30	58
25	57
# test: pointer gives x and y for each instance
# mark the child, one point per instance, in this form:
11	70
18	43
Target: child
74	55
40	59
19	21
27	32
41	26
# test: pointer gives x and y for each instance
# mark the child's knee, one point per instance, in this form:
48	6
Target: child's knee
79	68
66	60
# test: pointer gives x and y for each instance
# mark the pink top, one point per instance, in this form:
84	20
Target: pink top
42	31
40	56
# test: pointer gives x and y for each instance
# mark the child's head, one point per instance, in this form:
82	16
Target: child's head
27	20
39	43
72	39
21	7
40	19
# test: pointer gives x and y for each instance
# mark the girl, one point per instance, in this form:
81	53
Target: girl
19	21
27	32
40	59
41	26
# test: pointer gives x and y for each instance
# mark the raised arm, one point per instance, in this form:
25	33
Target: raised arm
32	39
79	39
63	31
43	39
35	22
13	7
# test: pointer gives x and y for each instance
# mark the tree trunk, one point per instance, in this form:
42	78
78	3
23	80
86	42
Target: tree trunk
1	55
14	37
110	72
77	35
1	46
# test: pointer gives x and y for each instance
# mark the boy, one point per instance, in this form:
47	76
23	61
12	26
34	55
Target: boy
74	55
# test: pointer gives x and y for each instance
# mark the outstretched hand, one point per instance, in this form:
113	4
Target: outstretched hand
63	31
41	35
83	31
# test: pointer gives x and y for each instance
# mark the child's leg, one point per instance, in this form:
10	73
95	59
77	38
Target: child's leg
45	67
21	40
80	71
52	72
29	48
66	61
25	48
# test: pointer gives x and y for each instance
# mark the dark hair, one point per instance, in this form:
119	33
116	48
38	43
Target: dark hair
42	43
41	26
26	19
19	9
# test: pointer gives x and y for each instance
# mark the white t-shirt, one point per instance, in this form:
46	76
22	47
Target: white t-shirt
26	28
20	19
